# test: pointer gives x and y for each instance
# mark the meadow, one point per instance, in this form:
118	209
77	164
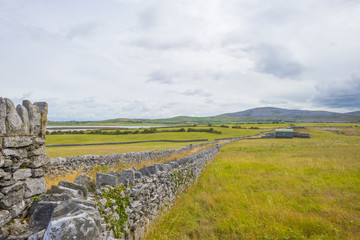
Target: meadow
273	189
106	149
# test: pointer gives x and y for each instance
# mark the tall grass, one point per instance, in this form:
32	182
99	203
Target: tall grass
272	189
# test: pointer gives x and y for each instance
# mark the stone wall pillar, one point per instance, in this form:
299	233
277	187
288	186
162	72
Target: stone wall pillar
22	156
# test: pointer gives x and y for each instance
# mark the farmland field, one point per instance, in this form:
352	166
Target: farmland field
273	189
106	149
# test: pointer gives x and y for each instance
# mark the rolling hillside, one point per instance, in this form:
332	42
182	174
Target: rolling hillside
265	114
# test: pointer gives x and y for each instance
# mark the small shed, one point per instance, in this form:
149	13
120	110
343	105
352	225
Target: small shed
284	133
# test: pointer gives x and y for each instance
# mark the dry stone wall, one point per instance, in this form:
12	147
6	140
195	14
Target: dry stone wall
22	156
118	205
63	165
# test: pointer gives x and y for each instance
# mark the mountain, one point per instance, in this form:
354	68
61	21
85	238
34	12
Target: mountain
264	114
270	113
353	113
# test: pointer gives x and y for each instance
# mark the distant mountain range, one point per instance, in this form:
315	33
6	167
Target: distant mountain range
264	114
354	113
271	113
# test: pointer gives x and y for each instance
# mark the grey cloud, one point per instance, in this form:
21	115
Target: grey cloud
160	77
341	94
276	60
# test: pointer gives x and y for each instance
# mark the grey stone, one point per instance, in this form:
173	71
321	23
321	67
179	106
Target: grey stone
12	117
5	183
21	153
38	172
2	160
55	197
81	226
24	115
40	140
4	175
37	236
129	174
12	198
122	178
103	179
86	181
17	141
34	117
34	186
153	169
17	209
1	195
2	116
144	171
22	174
12	188
82	191
41	216
137	175
36	152
37	161
7	163
5	217
43	107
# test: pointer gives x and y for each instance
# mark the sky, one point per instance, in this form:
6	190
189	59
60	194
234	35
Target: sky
105	59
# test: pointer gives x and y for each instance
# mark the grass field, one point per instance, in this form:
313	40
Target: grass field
273	189
106	149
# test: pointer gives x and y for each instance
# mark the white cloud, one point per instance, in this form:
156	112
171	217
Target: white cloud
135	58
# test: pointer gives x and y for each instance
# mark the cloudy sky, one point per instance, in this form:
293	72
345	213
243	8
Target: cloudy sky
102	59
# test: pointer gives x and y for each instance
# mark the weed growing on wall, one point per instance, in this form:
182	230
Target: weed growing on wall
114	212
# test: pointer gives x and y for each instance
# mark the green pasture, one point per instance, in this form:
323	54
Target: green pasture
273	189
106	149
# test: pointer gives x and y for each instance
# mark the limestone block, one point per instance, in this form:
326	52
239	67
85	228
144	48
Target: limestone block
6	182
12	188
12	117
4	175
21	153
86	181
38	172
82	191
17	209
81	226
5	217
2	116
36	161
40	140
34	186
22	174
41	216
12	198
56	197
43	106
37	151
24	115
16	142
144	171
106	180
34	117
122	178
